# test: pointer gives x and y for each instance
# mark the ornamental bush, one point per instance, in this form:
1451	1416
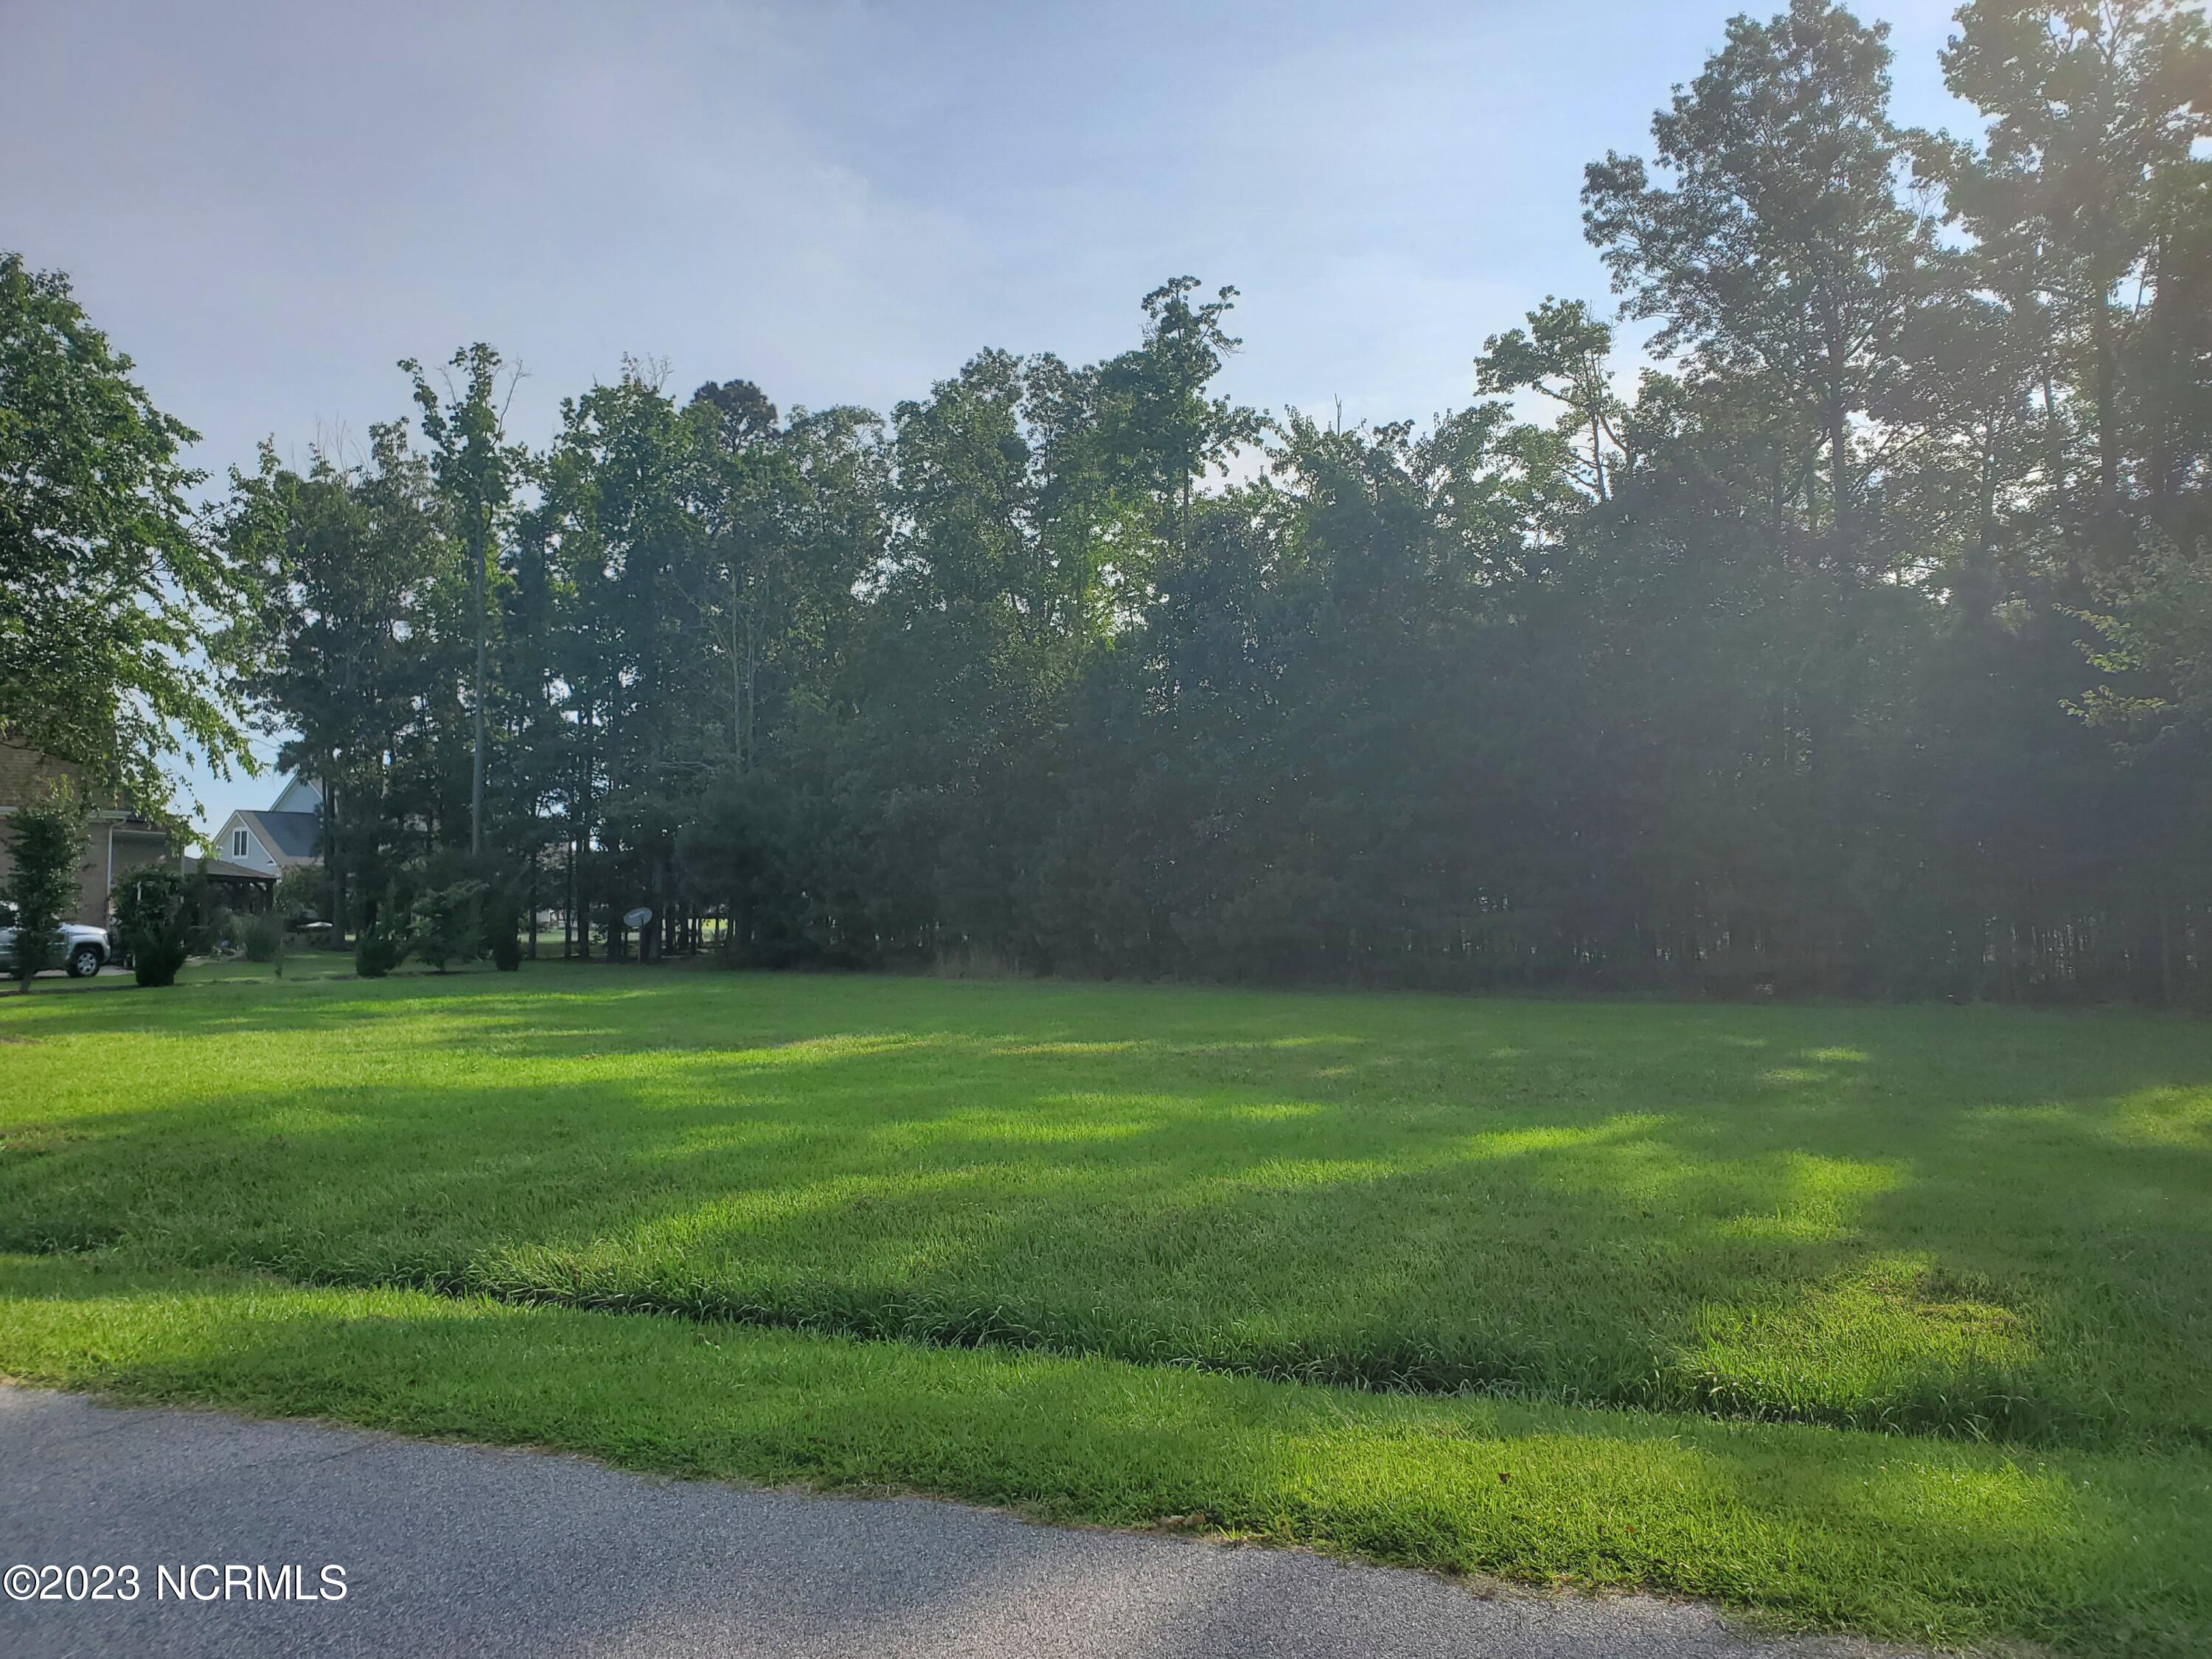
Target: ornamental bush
152	919
449	923
379	949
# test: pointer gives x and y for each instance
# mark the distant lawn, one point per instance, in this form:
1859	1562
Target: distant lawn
1959	1226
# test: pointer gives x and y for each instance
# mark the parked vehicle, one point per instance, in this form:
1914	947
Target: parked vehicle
83	950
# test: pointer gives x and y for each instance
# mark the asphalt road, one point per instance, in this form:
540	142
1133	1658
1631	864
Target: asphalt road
460	1550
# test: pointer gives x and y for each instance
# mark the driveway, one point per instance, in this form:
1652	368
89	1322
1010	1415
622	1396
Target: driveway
461	1550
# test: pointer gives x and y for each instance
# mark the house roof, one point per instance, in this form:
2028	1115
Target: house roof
305	793
290	838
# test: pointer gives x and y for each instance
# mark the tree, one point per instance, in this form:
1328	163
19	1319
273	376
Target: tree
740	486
1562	354
2085	193
111	598
46	844
1166	432
350	564
623	550
1781	258
1028	674
474	468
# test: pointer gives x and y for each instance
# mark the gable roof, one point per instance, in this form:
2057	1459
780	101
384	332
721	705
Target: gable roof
290	838
299	795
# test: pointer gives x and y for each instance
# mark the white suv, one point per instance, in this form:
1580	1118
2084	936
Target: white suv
84	949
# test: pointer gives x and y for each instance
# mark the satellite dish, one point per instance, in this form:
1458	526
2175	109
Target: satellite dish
637	918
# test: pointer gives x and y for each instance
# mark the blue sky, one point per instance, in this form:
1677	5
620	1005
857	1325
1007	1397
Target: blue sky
268	204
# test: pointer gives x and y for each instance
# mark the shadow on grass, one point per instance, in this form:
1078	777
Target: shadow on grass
1973	1223
1909	1538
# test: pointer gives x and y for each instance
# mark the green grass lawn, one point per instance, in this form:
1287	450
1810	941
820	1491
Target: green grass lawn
1626	1285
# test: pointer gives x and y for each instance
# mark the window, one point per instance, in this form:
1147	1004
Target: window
238	844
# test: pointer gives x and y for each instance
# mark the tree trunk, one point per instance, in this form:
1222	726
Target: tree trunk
332	868
483	646
1840	486
2108	438
1597	449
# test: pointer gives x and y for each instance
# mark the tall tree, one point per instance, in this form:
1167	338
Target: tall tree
1029	676
112	595
1168	427
2085	189
474	468
1781	256
1563	353
741	486
348	561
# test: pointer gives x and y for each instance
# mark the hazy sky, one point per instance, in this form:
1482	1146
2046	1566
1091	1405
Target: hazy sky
268	204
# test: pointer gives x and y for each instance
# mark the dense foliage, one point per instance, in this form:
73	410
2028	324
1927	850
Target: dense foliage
109	586
153	922
379	949
1863	649
46	840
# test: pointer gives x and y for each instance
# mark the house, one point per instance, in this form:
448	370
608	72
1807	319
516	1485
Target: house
116	840
288	835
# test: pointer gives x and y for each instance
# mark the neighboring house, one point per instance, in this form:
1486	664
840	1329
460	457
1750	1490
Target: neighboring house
289	834
117	841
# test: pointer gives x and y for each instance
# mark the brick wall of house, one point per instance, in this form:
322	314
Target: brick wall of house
113	844
24	774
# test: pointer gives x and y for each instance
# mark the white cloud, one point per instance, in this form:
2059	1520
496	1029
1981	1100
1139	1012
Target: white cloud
268	204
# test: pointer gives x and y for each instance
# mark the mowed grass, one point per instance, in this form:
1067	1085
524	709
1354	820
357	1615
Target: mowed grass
1979	1222
1612	1259
1922	1539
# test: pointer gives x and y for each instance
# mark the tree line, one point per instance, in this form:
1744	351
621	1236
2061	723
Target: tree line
1862	647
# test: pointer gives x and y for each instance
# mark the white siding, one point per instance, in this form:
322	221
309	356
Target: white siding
301	795
252	854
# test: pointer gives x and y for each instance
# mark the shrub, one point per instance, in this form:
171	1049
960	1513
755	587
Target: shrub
208	919
379	950
155	962
300	894
47	840
262	938
152	917
503	921
449	923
